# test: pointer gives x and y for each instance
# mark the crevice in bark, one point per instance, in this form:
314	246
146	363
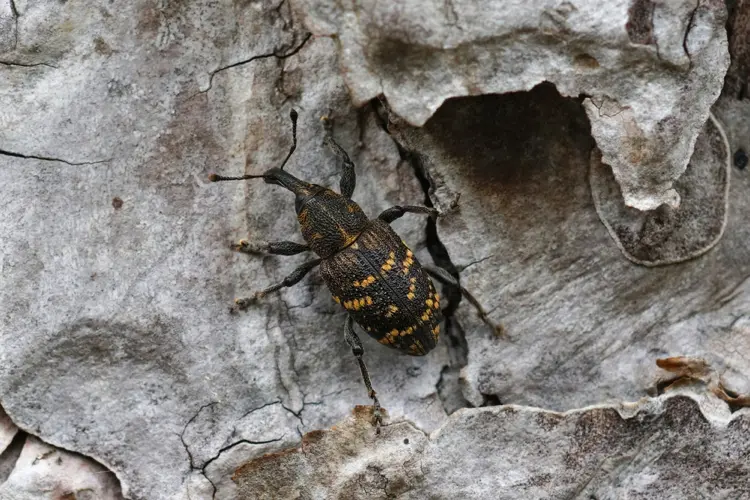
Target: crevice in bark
448	387
9	456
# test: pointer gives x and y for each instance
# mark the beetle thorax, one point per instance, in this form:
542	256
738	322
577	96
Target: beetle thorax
330	222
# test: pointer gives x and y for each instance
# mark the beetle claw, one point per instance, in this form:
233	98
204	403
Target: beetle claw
241	304
377	418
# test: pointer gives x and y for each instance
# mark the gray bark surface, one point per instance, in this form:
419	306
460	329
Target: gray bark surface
123	373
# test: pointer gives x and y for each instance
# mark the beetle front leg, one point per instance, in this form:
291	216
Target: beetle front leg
348	177
353	340
398	211
446	278
291	280
273	247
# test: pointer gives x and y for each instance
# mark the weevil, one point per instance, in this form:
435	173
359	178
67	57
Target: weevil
369	270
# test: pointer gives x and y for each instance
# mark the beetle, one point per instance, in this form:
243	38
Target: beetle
368	269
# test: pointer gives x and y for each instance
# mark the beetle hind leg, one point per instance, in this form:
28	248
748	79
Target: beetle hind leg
393	213
353	340
446	278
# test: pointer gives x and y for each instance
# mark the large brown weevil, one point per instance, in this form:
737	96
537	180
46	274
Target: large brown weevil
369	270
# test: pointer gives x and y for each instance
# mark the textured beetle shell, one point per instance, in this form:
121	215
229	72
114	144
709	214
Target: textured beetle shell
329	221
383	286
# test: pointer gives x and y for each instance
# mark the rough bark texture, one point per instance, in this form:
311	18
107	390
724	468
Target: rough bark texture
118	356
662	448
650	69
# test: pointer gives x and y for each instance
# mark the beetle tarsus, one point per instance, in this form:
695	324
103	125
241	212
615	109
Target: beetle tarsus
356	345
254	247
240	304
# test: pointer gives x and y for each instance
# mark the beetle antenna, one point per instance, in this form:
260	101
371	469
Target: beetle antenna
217	178
293	116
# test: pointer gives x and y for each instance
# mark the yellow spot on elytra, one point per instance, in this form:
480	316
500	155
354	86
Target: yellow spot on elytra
362	302
417	347
355	246
348	304
407	263
368	299
412	280
365	282
410	330
337	300
428	302
392	308
317	236
386	267
426	315
410	295
355	284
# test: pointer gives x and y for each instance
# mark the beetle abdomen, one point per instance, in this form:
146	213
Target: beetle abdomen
382	285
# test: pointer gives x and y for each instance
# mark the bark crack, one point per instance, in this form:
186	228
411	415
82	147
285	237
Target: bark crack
687	31
227	448
14	11
25	65
275	53
13	154
202	468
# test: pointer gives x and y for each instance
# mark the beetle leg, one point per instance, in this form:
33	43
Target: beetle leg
394	213
349	177
446	278
294	278
353	340
273	247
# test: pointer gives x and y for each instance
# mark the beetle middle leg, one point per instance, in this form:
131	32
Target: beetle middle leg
273	247
349	177
291	280
393	213
353	340
446	278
